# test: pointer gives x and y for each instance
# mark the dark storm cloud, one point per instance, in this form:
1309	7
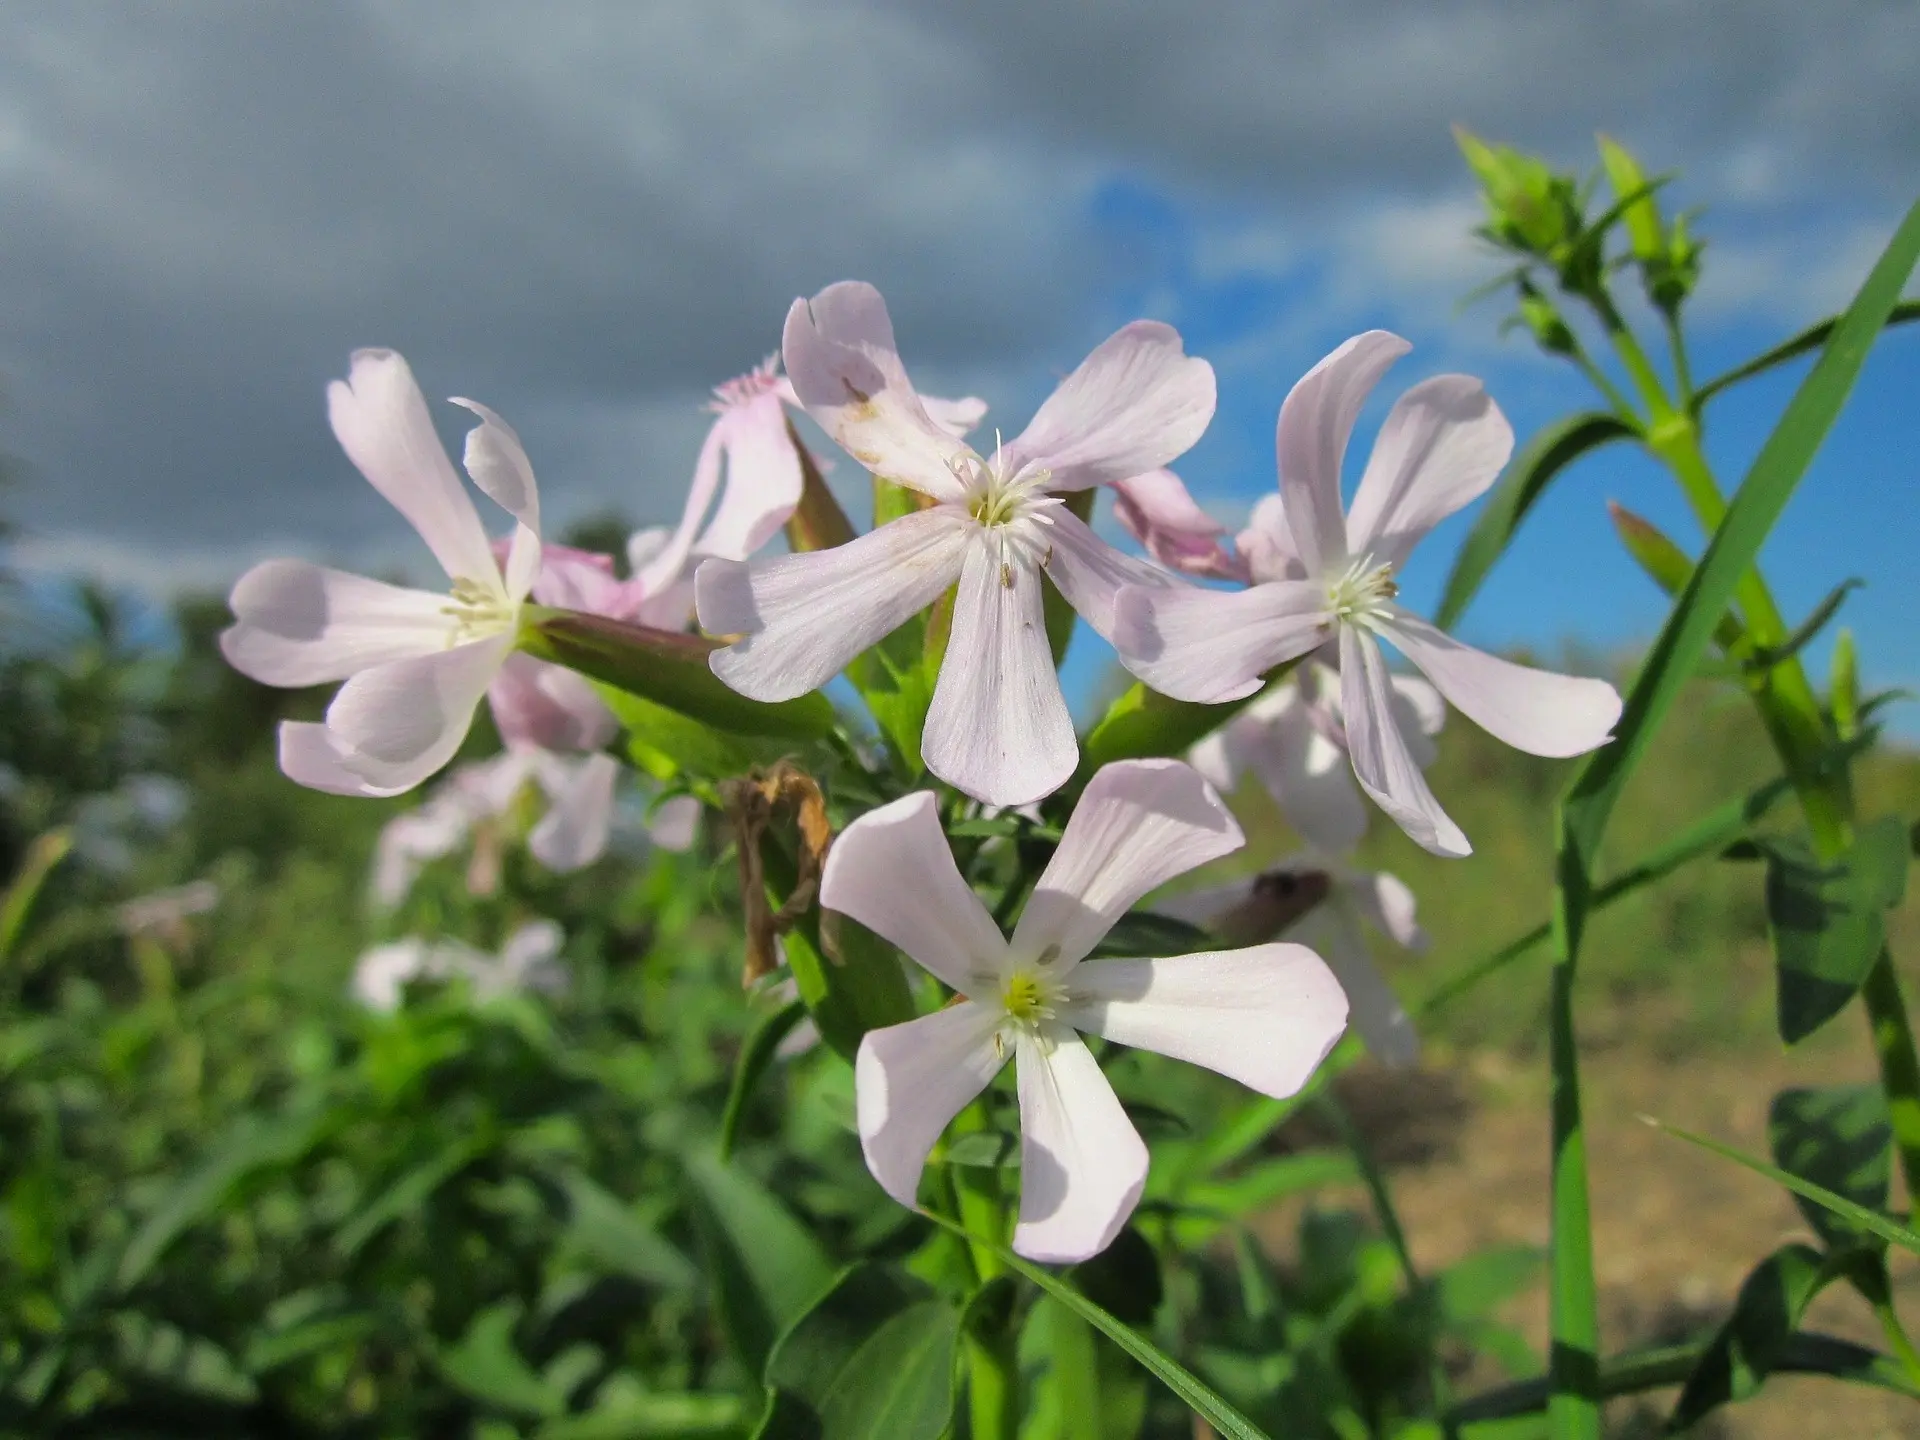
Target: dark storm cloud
584	213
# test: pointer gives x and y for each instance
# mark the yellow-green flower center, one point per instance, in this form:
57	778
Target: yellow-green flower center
478	610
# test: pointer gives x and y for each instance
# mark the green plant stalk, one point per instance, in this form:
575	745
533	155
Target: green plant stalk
1873	1282
1573	1410
977	1196
993	1384
1791	713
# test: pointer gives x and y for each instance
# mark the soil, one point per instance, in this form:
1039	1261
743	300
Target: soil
1675	1229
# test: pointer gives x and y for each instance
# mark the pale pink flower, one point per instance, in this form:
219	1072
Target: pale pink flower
1156	510
1265	1016
1292	739
415	662
528	961
1327	581
1335	928
998	727
750	460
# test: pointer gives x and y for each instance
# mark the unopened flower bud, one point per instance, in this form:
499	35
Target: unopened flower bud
1641	215
1529	208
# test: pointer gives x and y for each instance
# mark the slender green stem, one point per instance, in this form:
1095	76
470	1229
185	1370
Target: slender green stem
977	1195
1597	377
1573	1409
1682	371
993	1385
1899	1066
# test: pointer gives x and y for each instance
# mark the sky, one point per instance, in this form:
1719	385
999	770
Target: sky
587	214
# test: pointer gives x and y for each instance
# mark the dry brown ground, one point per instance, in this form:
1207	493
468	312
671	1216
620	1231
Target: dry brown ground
1675	1229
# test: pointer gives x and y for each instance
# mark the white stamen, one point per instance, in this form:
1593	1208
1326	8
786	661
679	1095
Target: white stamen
1361	593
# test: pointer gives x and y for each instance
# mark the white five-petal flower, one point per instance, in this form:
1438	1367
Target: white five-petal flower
415	662
1328	579
1265	1016
1293	740
998	727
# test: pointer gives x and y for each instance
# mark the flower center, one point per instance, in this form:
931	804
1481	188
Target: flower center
1029	997
478	611
1013	509
1361	593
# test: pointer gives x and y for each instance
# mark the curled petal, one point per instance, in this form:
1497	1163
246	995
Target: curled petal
300	624
573	832
398	723
666	561
1265	1016
313	756
1532	710
1388	905
1089	572
380	419
1157	511
893	872
1442	445
1212	646
1315	420
498	463
1266	546
804	616
957	417
1138	824
909	1080
1138	401
846	371
998	726
1380	759
1082	1164
763	480
535	703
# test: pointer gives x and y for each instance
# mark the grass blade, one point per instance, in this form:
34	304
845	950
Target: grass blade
1201	1398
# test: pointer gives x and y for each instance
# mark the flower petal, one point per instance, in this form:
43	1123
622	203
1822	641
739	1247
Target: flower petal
1089	572
1156	510
313	756
1315	420
535	703
1379	751
846	371
667	561
1138	824
1442	445
1212	646
763	480
1307	774
1376	1013
1532	710
909	1080
1386	903
998	726
1082	1164
893	872
498	463
398	723
957	417
300	624
380	418
1265	1016
1138	401
806	615
1266	545
675	823
573	832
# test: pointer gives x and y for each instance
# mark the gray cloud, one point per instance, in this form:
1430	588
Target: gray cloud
584	214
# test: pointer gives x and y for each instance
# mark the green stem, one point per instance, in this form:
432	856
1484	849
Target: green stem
1573	1408
976	1193
1598	379
1795	723
1682	371
993	1385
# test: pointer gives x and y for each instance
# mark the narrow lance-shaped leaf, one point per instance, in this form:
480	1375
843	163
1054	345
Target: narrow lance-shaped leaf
1807	341
756	1055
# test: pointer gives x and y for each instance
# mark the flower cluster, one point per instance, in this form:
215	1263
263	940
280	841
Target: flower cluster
1286	639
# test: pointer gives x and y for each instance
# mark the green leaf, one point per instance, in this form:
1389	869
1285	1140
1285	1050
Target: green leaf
984	1150
1829	922
485	1365
1198	1396
16	902
251	1145
1869	1220
675	1416
1526	479
1143	723
1809	339
666	744
1838	1136
762	1044
1747	1346
871	1360
1471	1289
765	1267
410	1191
1058	612
608	1230
668	668
1145	935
